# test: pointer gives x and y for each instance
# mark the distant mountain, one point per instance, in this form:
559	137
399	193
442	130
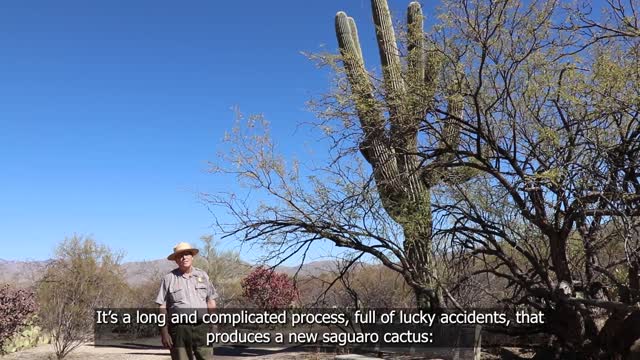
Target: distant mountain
138	272
25	273
21	273
313	268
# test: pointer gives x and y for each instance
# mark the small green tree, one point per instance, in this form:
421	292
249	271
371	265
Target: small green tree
225	270
84	275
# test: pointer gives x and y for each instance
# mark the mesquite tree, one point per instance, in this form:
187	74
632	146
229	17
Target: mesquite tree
551	120
84	276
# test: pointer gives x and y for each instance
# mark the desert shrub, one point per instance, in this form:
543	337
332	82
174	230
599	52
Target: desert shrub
267	289
362	285
143	294
231	293
380	287
16	308
225	269
84	276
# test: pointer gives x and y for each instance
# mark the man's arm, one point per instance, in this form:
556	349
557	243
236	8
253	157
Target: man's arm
161	300
212	295
165	337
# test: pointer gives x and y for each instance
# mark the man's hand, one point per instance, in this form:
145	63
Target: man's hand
166	338
164	331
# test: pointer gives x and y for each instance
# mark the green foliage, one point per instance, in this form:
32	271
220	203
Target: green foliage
84	275
534	107
225	270
362	285
30	336
143	295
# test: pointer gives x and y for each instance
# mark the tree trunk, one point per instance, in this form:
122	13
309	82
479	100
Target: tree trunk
426	299
633	273
558	248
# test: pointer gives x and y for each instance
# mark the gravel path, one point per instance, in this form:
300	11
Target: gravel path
148	350
135	351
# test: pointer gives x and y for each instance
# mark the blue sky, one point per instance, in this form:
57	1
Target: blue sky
110	110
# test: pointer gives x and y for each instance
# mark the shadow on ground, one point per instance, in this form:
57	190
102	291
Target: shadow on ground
130	345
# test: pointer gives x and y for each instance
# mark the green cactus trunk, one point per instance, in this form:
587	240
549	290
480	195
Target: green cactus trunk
390	144
417	244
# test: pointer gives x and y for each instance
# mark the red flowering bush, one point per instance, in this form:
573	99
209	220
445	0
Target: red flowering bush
267	289
16	308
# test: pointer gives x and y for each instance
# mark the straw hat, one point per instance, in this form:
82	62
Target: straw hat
180	248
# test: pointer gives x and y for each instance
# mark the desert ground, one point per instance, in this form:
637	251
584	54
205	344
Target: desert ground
144	352
141	351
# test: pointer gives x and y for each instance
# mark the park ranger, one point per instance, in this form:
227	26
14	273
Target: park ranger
186	288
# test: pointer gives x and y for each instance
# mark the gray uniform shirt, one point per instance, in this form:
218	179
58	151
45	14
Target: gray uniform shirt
181	291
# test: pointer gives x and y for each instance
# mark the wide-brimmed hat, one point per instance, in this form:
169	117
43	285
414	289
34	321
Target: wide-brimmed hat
180	248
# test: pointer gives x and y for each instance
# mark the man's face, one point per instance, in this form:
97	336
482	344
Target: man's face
184	259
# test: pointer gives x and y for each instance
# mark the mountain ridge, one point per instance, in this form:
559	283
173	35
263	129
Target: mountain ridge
25	273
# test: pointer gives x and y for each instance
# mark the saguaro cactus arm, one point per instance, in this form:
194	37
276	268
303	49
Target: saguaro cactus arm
416	42
375	145
389	55
356	39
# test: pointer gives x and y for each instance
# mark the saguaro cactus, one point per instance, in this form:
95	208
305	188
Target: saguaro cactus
390	143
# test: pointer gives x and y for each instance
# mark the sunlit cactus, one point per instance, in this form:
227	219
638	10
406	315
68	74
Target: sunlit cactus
390	142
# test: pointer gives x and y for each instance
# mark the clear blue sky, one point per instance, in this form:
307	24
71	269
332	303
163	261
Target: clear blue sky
110	110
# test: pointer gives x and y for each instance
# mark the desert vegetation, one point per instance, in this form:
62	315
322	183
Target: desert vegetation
491	160
17	308
86	275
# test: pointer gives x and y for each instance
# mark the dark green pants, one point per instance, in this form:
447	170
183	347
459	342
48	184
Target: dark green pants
189	342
